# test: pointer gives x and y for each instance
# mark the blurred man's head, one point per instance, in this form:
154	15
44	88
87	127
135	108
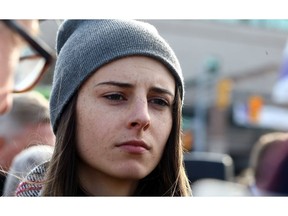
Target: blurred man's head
23	59
10	49
26	124
269	162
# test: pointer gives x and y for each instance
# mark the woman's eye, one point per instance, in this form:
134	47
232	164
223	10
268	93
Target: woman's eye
160	102
114	97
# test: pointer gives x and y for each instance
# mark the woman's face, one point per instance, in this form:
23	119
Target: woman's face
124	118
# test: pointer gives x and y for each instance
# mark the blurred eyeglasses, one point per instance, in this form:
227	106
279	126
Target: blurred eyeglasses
36	58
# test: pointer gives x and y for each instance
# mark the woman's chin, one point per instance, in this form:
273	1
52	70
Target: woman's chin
132	173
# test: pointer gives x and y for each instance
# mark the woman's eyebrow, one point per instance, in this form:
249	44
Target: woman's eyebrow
129	85
162	91
113	83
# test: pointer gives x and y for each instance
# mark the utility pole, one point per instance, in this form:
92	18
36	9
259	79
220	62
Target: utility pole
204	87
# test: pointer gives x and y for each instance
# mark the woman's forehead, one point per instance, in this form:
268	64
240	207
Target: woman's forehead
134	68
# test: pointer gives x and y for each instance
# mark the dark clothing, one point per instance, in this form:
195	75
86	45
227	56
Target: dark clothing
2	181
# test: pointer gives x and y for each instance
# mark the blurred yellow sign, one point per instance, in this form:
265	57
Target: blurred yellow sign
224	88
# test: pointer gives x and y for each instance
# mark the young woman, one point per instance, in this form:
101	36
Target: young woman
115	108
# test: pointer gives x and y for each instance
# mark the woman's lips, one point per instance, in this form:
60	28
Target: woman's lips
135	147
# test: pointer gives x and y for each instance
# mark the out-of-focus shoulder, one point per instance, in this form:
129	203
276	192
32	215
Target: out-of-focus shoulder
33	183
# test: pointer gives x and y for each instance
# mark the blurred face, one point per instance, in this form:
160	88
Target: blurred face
22	138
124	118
10	47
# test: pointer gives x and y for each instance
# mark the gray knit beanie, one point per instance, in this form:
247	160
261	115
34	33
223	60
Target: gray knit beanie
83	46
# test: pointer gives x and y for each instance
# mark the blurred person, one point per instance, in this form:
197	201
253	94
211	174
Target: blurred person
25	125
23	59
23	163
267	174
116	108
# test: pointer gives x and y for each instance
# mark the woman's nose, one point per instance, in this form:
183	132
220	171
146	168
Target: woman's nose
139	115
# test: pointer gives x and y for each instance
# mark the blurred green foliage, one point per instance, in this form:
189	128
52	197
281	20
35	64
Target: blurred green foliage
44	90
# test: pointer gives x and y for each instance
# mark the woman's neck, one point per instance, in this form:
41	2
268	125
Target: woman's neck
95	183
